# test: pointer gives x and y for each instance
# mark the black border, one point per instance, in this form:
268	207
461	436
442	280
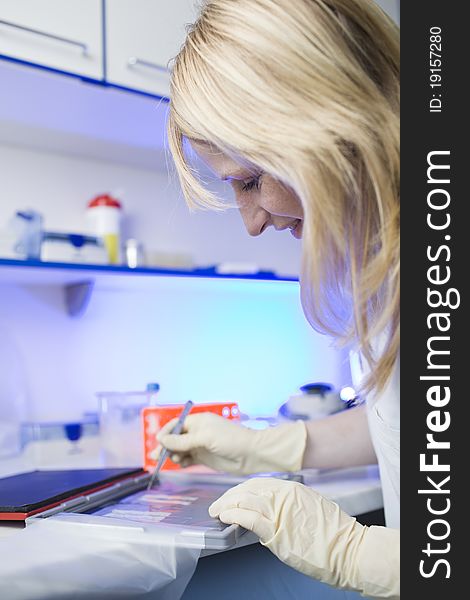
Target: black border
36	489
421	133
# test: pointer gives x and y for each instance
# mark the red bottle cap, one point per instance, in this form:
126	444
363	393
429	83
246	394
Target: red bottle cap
104	200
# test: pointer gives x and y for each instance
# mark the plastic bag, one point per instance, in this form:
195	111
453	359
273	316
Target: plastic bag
51	560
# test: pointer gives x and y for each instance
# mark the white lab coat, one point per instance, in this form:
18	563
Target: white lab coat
383	413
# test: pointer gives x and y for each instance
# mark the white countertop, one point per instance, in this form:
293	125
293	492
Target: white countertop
357	490
57	561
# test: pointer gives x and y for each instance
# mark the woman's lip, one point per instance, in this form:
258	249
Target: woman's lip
297	230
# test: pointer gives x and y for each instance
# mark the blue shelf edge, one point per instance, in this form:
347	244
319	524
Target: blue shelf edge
208	272
91	80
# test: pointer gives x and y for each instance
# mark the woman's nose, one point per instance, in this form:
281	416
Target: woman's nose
256	219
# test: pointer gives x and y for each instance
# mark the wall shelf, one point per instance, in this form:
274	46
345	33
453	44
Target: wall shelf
36	271
79	280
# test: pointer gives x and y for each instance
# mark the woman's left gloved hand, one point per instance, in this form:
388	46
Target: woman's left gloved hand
314	536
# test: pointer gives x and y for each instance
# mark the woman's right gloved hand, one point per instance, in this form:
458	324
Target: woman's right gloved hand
226	445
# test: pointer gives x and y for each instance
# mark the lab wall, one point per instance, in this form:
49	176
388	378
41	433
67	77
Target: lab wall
392	8
204	340
154	212
201	340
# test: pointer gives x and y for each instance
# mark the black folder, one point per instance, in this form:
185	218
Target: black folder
24	494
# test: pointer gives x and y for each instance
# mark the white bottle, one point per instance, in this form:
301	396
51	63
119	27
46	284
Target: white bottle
104	215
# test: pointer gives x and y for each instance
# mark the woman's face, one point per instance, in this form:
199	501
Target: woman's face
261	199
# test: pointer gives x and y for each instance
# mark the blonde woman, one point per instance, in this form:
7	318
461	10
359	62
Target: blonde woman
295	103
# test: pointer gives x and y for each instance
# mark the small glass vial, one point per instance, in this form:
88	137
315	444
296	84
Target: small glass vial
134	254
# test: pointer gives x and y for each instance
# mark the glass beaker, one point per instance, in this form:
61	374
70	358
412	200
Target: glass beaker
121	427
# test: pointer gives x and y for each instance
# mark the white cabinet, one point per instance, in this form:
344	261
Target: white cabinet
128	43
60	34
142	36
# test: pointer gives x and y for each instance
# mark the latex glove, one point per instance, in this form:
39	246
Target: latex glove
313	535
225	445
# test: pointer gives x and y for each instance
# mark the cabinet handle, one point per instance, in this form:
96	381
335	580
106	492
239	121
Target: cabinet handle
81	45
133	61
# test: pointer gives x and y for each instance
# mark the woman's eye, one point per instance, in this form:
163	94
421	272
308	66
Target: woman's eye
252	184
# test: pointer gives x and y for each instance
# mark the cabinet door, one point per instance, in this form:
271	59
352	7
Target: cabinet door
141	37
60	34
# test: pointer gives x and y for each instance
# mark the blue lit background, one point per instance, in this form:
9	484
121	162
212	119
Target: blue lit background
206	340
200	339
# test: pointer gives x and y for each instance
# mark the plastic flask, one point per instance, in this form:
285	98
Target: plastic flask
104	215
120	418
27	228
152	391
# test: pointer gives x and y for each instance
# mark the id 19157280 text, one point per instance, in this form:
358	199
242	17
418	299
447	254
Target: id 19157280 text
435	69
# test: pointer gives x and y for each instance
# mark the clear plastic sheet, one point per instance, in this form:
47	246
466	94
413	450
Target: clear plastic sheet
52	560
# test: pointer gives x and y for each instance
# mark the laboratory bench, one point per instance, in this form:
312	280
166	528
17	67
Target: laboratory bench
247	569
252	572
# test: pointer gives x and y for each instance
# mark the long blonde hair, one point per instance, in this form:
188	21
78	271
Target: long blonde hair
308	91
